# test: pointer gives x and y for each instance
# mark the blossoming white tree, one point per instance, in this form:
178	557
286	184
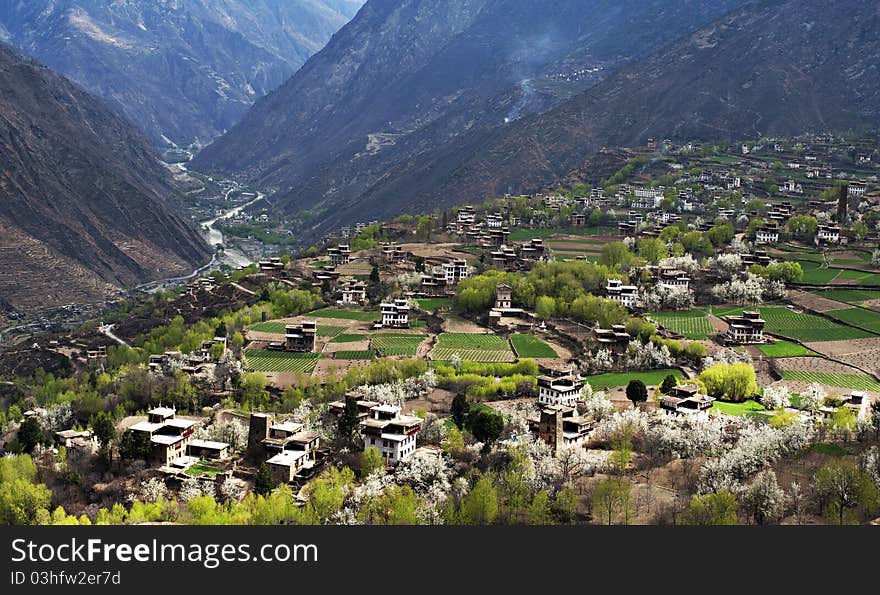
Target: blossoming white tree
776	397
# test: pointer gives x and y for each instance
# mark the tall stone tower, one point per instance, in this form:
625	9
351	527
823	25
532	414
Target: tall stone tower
842	199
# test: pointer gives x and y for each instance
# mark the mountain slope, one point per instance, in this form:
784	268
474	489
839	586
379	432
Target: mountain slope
185	70
772	68
408	78
82	211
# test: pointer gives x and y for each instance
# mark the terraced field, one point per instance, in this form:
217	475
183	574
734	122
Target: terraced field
390	345
860	317
275	328
325	330
482	356
473	341
348	338
531	346
849	296
851	381
259	360
365	354
346	314
802	327
473	348
692	324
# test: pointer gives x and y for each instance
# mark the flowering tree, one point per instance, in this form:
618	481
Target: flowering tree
647	356
812	398
229	431
190	488
763	497
686	263
749	291
726	265
597	406
776	397
152	490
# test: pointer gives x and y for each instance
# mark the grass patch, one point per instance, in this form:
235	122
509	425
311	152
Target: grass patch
831	450
259	360
851	381
692	324
532	347
333	313
391	345
275	328
617	379
356	355
785	349
202	469
744	408
431	304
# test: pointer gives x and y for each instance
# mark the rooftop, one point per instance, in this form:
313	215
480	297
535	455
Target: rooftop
287	458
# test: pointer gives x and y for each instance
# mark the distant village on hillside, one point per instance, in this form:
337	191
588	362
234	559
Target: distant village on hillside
691	338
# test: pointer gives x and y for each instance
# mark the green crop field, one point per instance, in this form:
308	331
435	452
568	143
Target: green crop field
330	331
276	328
482	356
785	349
365	354
692	324
802	327
617	379
527	234
473	341
346	314
849	296
389	345
852	381
347	338
431	304
815	274
860	317
259	360
531	346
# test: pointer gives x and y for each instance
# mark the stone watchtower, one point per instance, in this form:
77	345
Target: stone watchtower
258	430
503	297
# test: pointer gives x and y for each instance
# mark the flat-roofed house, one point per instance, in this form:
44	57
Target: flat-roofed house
560	390
169	435
395	314
827	234
745	329
353	292
341	255
558	425
615	339
285	464
686	400
389	432
207	449
301	337
627	295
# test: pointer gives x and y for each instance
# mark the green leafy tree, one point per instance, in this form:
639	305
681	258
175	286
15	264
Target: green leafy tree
347	425
30	433
842	488
611	501
105	430
135	445
371	462
802	227
480	505
566	505
616	255
459	409
718	508
637	392
545	307
486	425
540	512
668	384
263	482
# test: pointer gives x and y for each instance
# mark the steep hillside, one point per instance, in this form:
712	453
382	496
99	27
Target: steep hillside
183	70
407	80
83	210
